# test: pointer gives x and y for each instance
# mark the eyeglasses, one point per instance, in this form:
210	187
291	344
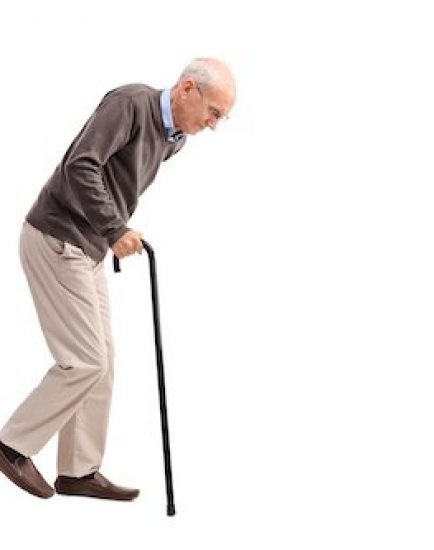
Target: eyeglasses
213	111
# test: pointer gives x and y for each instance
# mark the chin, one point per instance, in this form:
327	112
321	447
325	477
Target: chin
196	129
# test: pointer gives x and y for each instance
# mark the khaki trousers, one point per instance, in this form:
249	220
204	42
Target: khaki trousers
69	290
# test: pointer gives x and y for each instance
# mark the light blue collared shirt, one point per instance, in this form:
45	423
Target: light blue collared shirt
166	113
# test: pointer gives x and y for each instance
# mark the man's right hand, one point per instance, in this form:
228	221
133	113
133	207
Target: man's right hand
128	244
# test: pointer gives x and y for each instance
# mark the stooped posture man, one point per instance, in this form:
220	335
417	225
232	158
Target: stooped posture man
80	212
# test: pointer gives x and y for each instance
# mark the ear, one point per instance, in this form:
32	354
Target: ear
187	86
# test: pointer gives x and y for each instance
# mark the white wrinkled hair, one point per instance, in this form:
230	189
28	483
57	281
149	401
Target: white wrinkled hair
205	70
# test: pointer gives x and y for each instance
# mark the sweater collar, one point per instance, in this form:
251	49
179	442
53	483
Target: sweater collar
157	115
166	114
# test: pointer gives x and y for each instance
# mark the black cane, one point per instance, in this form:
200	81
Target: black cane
160	372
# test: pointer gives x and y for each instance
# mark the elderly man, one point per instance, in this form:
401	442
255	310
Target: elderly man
80	212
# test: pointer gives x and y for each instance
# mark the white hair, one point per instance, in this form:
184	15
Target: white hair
207	71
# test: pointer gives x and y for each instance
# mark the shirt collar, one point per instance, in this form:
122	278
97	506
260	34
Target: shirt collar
166	113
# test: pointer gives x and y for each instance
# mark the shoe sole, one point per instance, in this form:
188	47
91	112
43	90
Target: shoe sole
60	492
6	468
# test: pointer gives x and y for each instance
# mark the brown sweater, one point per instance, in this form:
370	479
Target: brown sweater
94	190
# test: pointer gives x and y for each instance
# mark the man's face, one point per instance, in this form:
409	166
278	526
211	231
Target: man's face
202	108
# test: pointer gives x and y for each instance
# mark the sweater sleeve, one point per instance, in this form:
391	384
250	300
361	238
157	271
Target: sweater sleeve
105	132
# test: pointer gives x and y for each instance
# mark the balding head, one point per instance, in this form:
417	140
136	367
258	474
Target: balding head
203	94
209	72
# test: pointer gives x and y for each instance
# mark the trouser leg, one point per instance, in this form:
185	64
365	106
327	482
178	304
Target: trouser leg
82	440
62	284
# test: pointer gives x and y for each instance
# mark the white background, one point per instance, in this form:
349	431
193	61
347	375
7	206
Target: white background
294	250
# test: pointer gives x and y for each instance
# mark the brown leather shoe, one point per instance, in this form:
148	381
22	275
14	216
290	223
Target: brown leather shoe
24	473
93	485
